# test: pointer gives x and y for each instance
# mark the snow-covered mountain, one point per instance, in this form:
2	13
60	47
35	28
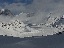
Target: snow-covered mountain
17	27
6	12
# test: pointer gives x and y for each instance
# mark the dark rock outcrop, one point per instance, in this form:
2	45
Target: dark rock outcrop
6	12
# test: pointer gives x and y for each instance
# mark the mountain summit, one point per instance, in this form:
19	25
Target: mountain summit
6	12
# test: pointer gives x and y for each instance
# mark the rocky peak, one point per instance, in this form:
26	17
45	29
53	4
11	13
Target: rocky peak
6	12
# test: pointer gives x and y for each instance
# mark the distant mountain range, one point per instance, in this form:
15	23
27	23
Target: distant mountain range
18	28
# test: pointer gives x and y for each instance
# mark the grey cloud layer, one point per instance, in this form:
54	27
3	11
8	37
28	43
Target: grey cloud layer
37	5
42	8
41	4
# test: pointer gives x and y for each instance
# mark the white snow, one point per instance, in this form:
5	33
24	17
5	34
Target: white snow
2	10
17	28
63	16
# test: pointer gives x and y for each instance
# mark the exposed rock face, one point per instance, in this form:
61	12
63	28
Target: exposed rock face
5	12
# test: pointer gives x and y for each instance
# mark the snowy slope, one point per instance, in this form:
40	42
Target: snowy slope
17	27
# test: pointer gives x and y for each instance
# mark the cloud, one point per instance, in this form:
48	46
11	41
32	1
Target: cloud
15	7
41	8
44	6
16	1
36	5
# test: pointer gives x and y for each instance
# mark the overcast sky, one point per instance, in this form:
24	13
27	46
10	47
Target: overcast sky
46	6
41	8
